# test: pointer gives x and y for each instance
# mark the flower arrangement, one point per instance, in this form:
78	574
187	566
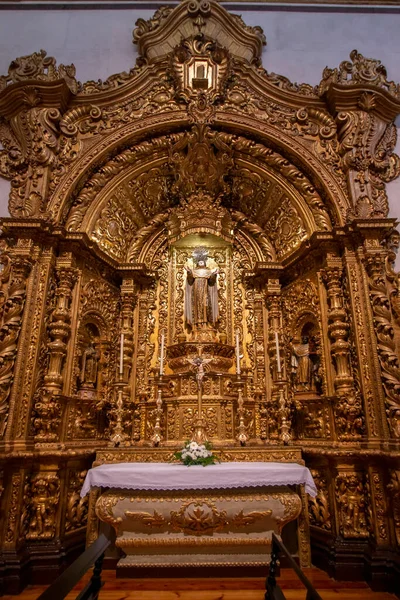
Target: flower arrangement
193	453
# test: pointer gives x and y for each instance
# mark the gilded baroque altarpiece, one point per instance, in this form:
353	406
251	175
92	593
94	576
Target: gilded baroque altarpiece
116	187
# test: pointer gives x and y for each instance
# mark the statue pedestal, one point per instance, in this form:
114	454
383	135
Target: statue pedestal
178	355
206	334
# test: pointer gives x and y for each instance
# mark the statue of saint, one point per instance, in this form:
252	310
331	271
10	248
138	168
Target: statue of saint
302	366
90	359
201	294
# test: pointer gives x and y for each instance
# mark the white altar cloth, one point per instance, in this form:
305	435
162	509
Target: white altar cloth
172	476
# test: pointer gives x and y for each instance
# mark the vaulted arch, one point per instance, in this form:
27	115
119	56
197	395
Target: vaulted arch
200	208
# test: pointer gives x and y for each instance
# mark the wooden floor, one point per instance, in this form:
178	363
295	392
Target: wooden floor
219	589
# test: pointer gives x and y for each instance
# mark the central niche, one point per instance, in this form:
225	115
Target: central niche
200	275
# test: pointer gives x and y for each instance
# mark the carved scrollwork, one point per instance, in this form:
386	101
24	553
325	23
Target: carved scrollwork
114	230
285	229
198	517
74	214
360	70
77	507
13	306
257	233
38	66
114	184
389	361
394	492
319	508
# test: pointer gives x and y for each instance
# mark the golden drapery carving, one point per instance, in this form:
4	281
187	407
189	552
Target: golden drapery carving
115	185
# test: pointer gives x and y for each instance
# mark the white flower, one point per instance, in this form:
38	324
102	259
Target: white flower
193	446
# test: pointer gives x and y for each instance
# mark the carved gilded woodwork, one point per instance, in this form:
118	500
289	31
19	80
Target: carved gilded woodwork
319	507
351	498
77	507
41	497
195	529
13	305
114	184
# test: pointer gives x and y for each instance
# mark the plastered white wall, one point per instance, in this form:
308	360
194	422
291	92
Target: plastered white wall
299	45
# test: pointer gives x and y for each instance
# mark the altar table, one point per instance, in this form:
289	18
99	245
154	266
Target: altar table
172	476
170	515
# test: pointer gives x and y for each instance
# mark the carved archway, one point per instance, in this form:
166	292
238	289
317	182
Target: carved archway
115	185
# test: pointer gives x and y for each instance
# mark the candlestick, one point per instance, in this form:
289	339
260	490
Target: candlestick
278	355
237	354
121	355
162	353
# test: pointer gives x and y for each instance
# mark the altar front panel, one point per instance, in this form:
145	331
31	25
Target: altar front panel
198	527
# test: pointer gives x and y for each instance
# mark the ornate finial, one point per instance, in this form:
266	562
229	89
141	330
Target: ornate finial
158	35
360	70
200	254
39	66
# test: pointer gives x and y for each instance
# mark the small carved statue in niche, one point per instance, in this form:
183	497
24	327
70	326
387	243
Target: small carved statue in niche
90	359
305	366
201	293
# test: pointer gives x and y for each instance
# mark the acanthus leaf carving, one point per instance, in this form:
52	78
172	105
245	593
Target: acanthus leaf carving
77	507
386	345
360	70
319	507
13	307
38	66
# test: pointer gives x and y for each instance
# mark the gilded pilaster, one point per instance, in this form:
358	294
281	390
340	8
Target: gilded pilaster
114	186
12	319
363	339
378	504
386	345
12	505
